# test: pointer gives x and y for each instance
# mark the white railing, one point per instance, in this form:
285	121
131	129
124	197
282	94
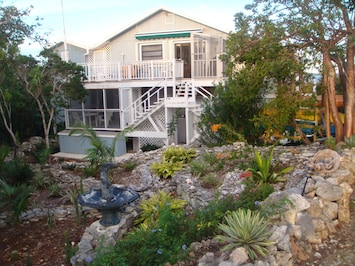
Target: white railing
143	105
206	68
144	70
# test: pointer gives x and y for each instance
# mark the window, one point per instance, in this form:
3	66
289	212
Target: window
152	52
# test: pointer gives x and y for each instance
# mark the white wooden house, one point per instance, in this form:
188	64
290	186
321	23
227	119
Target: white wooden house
151	77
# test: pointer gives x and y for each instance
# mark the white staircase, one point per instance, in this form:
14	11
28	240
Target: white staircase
148	115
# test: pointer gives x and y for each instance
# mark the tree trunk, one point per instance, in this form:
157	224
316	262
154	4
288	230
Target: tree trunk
329	70
325	102
349	100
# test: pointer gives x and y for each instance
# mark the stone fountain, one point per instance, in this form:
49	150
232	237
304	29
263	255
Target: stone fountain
110	199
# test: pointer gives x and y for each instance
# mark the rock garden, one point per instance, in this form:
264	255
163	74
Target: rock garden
212	206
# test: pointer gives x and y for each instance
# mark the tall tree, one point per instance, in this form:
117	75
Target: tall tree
326	29
51	83
258	64
13	32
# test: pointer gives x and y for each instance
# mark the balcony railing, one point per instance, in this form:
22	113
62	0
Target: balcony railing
151	70
145	70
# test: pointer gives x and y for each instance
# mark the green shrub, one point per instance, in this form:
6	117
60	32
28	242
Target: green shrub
179	154
203	223
157	244
149	147
90	171
349	142
4	152
55	189
107	256
166	169
150	208
247	229
254	192
210	157
210	180
129	166
17	171
16	196
40	180
199	168
173	160
42	153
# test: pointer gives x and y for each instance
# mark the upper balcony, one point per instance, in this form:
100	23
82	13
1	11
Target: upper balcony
151	70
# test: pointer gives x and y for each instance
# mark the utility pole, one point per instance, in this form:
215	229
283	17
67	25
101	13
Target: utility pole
66	59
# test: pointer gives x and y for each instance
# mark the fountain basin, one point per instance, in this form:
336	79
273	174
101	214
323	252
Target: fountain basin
109	207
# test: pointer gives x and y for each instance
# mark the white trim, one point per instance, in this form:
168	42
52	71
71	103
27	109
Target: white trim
168	32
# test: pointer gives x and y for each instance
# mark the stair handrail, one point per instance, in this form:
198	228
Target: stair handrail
198	90
144	102
203	92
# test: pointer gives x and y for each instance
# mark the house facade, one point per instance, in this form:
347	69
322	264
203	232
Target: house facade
152	78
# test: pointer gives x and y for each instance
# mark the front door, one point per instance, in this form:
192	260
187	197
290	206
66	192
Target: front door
183	52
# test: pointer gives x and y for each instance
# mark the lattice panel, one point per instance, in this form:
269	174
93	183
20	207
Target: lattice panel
151	141
108	52
90	59
158	118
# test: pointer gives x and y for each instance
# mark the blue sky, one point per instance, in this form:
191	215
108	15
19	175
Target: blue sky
90	22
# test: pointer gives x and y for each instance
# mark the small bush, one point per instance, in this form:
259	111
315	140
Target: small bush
129	166
210	180
4	152
54	189
17	171
199	168
14	196
90	171
150	208
166	169
179	154
254	193
203	223
40	180
149	147
42	153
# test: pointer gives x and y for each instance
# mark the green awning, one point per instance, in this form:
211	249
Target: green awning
162	35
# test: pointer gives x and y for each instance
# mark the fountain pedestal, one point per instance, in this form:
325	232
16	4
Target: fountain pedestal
109	200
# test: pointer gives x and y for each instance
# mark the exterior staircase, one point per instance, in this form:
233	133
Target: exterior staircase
147	115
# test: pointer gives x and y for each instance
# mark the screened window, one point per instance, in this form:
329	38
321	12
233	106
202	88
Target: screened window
152	52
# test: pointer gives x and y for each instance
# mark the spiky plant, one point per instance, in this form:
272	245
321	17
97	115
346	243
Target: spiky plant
265	171
246	229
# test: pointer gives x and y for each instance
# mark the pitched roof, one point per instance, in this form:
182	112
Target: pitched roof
152	14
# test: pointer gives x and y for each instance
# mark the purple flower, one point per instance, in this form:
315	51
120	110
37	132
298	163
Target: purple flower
160	251
184	247
257	203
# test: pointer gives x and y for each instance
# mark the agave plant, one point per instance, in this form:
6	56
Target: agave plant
265	171
246	229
